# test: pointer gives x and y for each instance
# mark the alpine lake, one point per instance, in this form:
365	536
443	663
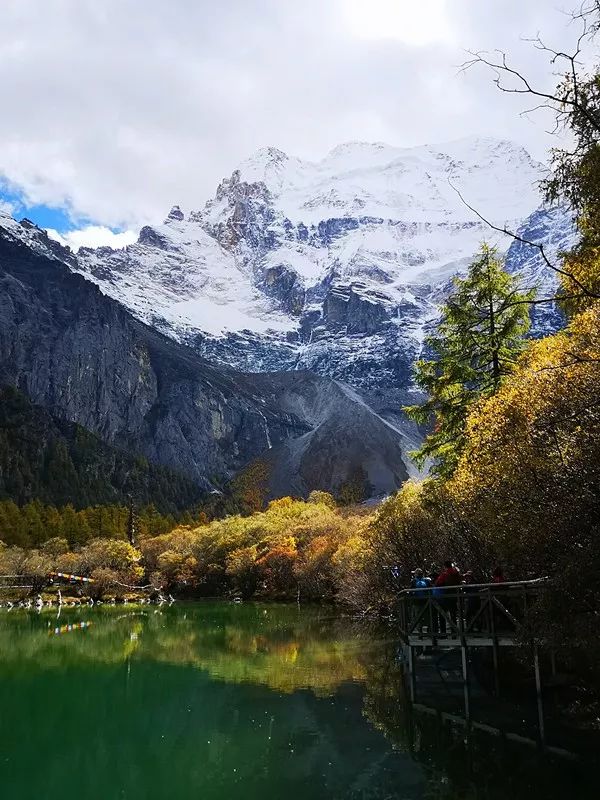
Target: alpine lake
220	701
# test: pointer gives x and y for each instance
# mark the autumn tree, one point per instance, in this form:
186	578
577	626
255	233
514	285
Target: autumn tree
476	344
319	497
243	569
314	569
277	567
530	482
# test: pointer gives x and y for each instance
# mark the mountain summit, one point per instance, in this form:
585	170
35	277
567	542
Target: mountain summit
336	266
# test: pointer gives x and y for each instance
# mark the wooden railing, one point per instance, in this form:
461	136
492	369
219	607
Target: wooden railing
475	614
470	616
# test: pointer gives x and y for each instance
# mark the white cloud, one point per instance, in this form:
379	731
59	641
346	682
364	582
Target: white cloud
117	113
93	236
6	207
412	23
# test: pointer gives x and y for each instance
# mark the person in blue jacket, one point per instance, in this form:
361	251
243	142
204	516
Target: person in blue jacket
420	583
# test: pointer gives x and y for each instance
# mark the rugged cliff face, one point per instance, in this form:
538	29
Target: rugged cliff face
82	356
347	443
44	457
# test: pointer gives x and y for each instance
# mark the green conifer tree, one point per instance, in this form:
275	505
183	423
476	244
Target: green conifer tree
52	523
70	525
13	524
34	525
478	339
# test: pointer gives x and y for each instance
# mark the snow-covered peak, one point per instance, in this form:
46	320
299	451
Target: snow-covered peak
36	238
179	277
337	264
273	167
407	184
267	155
482	153
356	155
10	225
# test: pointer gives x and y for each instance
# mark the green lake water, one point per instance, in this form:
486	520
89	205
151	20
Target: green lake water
218	701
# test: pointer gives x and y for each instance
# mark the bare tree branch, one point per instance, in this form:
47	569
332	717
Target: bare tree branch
518	238
561	102
587	10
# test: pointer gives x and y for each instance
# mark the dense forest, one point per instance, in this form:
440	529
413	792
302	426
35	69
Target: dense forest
293	548
34	523
45	458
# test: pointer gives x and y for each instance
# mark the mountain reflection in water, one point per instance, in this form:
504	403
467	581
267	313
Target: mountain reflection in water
218	700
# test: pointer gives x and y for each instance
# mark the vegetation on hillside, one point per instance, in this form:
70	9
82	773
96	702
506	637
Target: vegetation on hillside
56	462
293	549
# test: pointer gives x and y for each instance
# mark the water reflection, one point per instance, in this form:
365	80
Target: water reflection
279	647
226	701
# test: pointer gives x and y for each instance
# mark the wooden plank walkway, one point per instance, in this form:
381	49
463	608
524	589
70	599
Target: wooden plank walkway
470	616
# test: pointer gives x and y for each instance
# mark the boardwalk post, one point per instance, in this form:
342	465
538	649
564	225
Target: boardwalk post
411	673
494	645
538	689
465	674
431	629
464	654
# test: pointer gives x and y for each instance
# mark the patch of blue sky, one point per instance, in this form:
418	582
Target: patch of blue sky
44	216
59	218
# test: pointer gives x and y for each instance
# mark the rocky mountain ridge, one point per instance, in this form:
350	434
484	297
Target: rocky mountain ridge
278	325
82	356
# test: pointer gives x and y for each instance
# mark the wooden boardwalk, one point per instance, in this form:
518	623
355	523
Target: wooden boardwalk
470	616
475	615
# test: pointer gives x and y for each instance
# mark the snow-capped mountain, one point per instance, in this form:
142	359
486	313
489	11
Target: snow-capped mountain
335	266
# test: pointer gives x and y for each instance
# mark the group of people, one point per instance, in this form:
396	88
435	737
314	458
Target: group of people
439	583
449	576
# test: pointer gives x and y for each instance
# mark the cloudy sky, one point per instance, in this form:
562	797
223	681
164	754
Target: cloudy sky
114	110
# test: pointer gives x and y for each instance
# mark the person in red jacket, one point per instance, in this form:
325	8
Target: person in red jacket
448	577
498	575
